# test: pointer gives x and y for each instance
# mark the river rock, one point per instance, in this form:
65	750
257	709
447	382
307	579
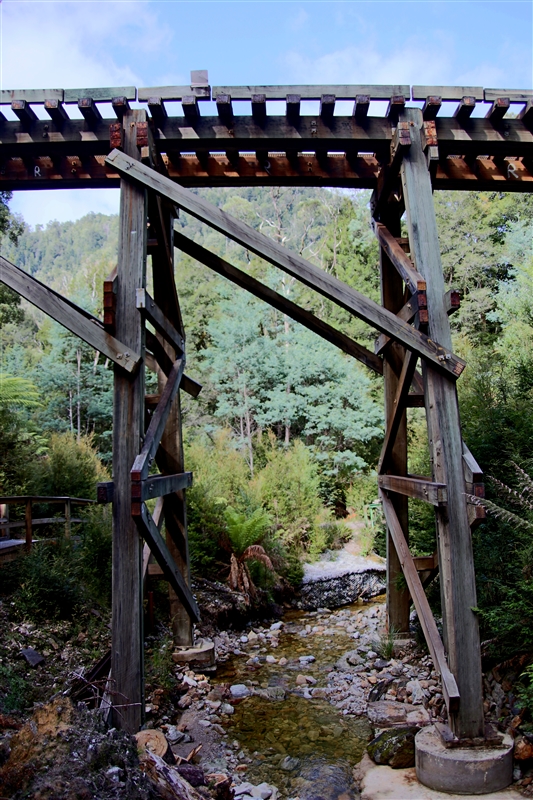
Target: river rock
289	764
395	747
335	590
415	690
387	714
226	708
523	750
273	693
239	690
306	659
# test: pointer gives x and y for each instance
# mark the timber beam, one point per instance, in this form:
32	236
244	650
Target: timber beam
78	321
277	300
418	488
426	619
327	285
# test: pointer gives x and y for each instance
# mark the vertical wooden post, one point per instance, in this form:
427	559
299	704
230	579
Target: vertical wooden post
170	455
67	518
128	425
398	600
28	521
458	588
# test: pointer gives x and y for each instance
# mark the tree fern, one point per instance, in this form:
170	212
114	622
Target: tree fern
244	531
17	392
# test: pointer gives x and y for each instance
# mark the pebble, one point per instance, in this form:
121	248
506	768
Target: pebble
239	690
271	660
276	626
306	659
283	661
226	708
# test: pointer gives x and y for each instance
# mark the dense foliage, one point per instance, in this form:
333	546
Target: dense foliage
286	428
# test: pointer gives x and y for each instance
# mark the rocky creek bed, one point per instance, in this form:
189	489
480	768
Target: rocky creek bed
288	713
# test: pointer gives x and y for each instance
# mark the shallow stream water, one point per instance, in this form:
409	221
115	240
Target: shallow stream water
303	745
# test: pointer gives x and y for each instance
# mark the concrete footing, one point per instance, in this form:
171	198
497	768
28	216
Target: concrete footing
201	654
462	770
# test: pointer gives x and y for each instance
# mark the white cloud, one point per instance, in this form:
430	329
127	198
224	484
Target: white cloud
414	62
42	206
297	21
74	44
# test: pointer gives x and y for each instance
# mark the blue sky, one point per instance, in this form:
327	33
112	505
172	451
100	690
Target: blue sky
107	43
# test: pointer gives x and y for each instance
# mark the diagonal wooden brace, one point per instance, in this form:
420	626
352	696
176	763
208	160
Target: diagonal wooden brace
75	319
277	300
150	533
418	596
142	463
292	263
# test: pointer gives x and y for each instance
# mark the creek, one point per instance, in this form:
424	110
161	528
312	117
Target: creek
288	734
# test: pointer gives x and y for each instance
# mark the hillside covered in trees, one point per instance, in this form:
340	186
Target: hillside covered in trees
287	428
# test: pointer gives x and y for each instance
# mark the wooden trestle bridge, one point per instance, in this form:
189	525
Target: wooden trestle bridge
283	136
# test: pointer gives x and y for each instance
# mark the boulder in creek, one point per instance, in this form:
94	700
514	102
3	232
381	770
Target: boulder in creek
394	747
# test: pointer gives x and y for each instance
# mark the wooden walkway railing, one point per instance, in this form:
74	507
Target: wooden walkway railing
29	523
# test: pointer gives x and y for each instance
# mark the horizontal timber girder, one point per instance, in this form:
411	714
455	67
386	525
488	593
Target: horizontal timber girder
277	300
327	285
78	321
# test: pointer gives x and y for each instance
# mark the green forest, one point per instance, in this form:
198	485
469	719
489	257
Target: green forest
284	438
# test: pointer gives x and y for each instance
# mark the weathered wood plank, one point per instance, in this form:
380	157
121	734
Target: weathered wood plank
153	313
276	300
170	93
68	314
30	95
429	627
292	263
143	461
310	92
447	92
514	95
100	94
128	427
457	578
149	531
431	492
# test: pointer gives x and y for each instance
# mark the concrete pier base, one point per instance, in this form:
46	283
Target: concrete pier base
462	770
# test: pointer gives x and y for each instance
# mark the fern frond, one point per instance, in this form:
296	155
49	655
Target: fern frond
258	553
501	513
17	392
515	497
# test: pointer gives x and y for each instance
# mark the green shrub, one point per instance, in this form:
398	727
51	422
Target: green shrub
50	587
70	468
95	552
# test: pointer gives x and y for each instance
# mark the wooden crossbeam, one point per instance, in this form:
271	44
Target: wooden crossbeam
68	314
513	95
295	265
291	169
30	95
402	390
277	300
157	486
426	619
150	533
142	463
418	488
173	93
153	313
